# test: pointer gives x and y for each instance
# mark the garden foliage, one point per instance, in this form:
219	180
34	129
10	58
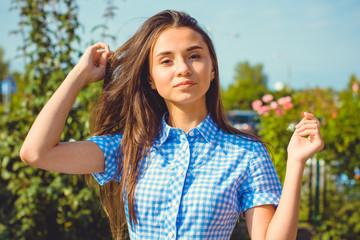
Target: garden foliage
36	204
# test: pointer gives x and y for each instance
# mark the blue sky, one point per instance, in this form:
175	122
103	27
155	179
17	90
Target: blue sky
317	42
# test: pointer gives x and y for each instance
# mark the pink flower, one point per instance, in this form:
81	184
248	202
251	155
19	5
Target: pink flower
287	106
274	105
256	105
284	100
267	98
355	87
264	110
279	111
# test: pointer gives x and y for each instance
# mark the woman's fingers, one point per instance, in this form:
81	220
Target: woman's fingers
103	59
311	116
306	121
308	115
309	125
93	62
101	45
308	118
99	53
308	132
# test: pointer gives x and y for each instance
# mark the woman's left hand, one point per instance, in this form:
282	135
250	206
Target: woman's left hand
306	140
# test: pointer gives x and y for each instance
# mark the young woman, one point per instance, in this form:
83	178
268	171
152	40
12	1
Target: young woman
162	148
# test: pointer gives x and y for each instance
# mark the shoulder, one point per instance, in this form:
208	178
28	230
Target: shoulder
238	140
106	141
107	137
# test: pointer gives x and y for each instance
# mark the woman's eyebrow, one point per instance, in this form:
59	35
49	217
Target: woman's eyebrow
194	47
164	53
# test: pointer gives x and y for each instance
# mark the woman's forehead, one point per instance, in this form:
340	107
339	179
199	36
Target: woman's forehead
176	38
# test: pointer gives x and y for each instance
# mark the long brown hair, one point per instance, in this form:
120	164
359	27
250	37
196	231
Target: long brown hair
129	106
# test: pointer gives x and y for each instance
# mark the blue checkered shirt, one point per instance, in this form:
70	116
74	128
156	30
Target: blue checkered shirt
195	185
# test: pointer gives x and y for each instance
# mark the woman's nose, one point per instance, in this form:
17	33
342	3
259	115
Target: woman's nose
183	68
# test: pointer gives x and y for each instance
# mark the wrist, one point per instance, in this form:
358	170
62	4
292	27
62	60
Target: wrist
79	75
295	163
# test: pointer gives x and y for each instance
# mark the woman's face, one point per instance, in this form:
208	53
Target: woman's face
181	67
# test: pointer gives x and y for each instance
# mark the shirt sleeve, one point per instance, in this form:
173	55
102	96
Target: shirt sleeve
262	185
109	145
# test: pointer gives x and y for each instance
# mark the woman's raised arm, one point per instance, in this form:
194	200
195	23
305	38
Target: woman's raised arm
41	147
263	221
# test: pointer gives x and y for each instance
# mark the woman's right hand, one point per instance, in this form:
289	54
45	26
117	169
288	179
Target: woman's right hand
93	62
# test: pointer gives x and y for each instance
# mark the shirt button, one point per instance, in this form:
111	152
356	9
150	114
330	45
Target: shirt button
180	172
191	134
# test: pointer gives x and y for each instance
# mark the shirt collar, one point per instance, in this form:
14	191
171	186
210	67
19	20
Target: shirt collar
207	128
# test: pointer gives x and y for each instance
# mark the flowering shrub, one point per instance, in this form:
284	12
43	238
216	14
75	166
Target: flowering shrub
267	104
279	115
274	125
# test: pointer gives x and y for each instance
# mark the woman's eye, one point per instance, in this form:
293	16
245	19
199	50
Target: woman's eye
195	56
166	61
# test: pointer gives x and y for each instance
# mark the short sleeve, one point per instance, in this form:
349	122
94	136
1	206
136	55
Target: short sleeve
262	185
109	145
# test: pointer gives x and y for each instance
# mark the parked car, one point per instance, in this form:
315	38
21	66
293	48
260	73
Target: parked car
245	120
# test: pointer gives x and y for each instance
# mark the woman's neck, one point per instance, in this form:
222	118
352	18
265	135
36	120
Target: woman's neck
186	117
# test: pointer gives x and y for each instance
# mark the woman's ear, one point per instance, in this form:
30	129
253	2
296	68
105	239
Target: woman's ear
212	75
152	83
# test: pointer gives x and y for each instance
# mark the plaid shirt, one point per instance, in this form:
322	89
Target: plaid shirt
195	185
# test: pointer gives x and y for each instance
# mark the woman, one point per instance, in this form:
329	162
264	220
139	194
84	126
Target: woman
180	170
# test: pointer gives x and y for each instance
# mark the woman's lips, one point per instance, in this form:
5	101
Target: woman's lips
185	84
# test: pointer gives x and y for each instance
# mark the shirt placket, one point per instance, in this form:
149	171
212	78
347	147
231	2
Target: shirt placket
176	187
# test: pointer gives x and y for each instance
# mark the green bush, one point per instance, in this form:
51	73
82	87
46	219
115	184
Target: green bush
37	204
